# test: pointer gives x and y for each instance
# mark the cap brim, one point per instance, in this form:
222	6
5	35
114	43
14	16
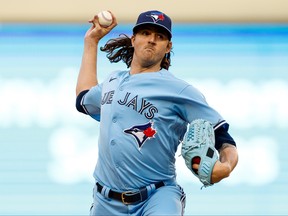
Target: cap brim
153	24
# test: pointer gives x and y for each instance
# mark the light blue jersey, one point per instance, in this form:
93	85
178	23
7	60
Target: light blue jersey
143	117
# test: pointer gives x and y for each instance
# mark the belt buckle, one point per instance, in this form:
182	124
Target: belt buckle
127	193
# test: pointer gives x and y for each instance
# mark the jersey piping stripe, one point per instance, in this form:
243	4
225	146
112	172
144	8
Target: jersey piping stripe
218	125
84	105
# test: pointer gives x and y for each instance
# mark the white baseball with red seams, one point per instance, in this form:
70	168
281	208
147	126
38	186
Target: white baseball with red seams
105	18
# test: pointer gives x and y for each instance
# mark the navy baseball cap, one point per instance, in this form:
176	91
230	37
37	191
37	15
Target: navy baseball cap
154	17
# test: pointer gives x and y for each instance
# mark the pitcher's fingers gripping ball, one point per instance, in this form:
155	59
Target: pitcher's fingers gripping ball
198	146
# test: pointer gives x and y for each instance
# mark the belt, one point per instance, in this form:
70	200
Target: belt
129	197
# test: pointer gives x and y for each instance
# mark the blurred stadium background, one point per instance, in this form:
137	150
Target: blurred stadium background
235	52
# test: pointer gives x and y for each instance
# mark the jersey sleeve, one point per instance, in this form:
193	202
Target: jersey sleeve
89	102
193	105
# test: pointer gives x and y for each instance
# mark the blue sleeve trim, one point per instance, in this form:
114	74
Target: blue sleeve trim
222	136
79	105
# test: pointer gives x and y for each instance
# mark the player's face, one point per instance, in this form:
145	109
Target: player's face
150	46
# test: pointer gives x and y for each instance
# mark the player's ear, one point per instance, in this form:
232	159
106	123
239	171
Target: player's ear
132	40
169	47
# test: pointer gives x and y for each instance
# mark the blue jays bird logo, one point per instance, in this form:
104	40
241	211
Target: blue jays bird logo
156	17
141	133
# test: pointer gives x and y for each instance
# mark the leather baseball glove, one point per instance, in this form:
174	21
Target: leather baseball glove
198	146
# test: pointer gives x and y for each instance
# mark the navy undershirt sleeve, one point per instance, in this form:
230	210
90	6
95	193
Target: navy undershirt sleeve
222	136
79	106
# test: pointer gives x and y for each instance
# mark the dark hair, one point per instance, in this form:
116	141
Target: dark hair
121	49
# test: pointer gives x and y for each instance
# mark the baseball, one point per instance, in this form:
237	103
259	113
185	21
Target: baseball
105	18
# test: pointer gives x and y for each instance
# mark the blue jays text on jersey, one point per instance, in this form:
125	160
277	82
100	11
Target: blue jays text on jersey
141	106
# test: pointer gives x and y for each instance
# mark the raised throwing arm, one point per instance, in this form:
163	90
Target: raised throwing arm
87	77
